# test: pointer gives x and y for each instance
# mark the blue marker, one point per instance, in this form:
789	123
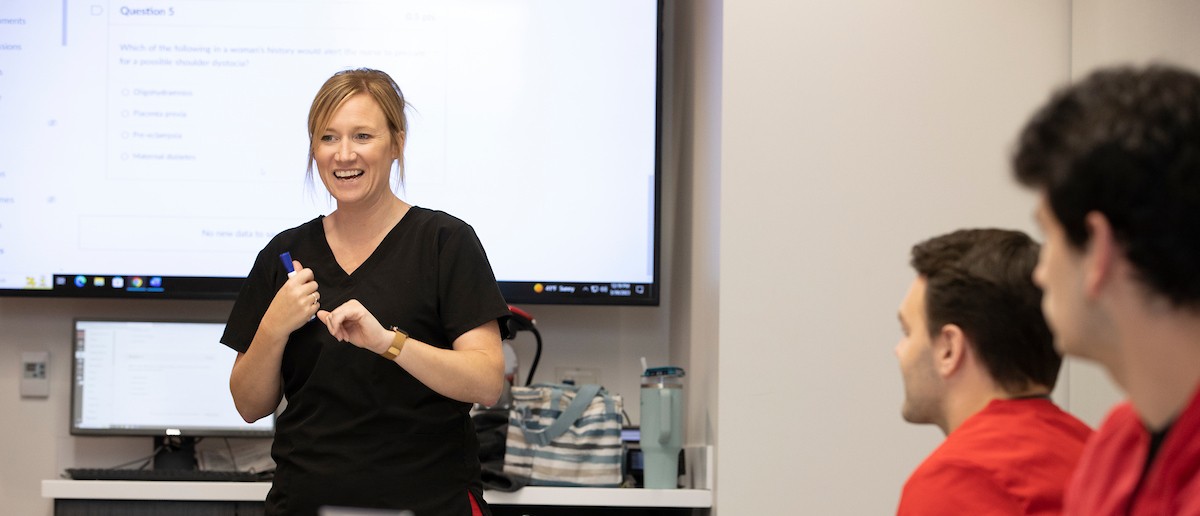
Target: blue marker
286	258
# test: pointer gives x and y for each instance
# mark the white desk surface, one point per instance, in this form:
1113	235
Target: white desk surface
255	491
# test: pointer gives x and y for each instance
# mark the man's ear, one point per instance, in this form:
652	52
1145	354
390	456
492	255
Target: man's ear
949	350
1100	253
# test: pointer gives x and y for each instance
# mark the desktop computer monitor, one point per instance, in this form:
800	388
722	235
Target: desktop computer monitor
164	379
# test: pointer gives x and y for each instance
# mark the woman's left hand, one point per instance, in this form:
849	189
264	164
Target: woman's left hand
353	323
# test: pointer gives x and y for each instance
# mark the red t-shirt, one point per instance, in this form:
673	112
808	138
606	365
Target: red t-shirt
1012	457
1112	466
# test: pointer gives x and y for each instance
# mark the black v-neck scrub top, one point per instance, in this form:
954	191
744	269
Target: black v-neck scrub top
357	429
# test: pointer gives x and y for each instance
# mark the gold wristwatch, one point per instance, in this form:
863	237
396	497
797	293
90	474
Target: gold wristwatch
398	341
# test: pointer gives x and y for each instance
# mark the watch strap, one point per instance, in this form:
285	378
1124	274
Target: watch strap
398	341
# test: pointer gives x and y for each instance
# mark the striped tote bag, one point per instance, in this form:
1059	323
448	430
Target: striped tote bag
564	435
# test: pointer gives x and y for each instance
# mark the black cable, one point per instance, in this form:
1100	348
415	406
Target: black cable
232	458
518	322
147	458
536	356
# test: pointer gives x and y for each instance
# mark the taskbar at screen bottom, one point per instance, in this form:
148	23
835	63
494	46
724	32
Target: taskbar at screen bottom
559	292
187	287
143	286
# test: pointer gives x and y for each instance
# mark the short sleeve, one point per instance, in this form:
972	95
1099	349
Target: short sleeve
253	299
468	295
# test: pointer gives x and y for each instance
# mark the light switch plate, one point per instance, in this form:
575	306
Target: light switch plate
35	374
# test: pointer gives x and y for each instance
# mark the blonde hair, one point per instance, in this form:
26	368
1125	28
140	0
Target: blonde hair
346	84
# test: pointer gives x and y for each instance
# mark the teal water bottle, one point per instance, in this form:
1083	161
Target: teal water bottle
662	426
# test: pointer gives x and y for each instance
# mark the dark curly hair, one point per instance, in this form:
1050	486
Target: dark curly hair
982	281
1125	142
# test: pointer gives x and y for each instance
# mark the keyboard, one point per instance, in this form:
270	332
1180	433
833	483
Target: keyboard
168	475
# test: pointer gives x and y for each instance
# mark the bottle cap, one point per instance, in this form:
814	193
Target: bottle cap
664	371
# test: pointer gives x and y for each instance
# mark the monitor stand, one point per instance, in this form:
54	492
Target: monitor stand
176	453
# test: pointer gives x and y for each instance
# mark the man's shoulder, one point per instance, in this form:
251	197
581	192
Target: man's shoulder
954	484
963	457
1036	419
1121	419
1007	437
951	462
1114	464
1008	456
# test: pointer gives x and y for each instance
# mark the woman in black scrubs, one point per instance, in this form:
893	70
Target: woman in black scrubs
382	337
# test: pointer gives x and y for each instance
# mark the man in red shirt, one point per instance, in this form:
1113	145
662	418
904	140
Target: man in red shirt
1116	161
979	362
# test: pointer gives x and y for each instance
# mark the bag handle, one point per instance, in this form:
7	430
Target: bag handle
583	398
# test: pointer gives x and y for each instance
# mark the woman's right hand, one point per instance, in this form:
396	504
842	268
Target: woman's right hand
256	381
296	302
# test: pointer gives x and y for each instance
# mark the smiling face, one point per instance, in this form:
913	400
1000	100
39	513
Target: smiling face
355	153
922	385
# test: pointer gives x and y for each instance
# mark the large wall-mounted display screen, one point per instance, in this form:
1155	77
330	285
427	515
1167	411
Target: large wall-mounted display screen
151	149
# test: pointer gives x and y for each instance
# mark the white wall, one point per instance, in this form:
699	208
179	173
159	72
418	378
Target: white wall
850	131
694	116
1105	32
